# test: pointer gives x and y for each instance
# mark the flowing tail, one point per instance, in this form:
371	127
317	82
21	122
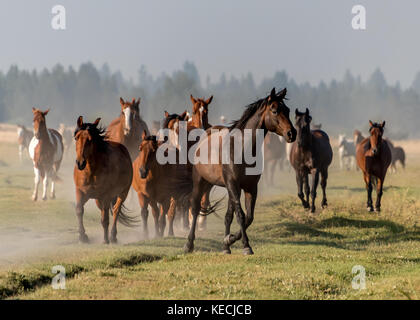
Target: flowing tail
125	218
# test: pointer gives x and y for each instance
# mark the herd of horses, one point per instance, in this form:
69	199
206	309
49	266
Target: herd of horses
111	161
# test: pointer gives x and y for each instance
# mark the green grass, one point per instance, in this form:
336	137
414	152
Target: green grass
297	255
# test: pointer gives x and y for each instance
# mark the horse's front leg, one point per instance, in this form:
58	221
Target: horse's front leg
104	207
144	203
80	202
368	182
228	222
115	212
299	182
155	213
324	177
171	217
379	192
36	184
315	179
45	184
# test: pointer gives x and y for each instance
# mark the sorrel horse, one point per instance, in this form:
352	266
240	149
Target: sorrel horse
103	171
127	128
46	152
274	155
24	139
311	153
149	178
267	114
374	156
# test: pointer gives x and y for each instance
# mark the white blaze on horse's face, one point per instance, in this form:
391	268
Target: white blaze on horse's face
127	115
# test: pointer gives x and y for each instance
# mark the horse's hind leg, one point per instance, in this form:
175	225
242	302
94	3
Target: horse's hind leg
379	192
115	211
368	182
324	178
228	222
80	202
315	179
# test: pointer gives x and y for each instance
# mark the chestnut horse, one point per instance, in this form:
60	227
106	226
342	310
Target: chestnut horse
374	156
274	155
24	139
46	152
127	128
149	179
103	172
311	153
267	114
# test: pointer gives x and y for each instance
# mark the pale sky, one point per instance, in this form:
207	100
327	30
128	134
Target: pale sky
312	40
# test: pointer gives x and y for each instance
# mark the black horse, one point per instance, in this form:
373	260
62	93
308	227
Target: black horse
311	153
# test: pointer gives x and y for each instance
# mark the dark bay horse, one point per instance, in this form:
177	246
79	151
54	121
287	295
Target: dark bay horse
311	153
149	178
374	156
398	154
274	156
103	172
24	138
46	152
127	128
267	114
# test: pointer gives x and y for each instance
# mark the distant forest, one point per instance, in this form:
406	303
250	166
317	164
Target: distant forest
340	105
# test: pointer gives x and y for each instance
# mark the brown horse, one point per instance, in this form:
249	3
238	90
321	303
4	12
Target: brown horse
274	155
127	128
24	138
311	153
267	114
374	156
357	137
46	152
398	154
103	172
149	178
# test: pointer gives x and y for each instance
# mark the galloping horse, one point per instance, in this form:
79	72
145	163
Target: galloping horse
374	156
127	128
103	172
46	152
268	114
149	177
24	139
311	153
274	155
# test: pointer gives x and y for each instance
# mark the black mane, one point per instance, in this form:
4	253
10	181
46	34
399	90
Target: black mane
98	133
166	121
248	113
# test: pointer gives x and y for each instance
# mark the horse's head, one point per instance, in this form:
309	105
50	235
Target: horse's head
276	116
148	148
171	122
303	125
39	121
84	136
376	131
200	109
129	112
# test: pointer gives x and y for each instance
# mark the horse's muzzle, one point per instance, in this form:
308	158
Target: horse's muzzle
81	165
291	135
143	173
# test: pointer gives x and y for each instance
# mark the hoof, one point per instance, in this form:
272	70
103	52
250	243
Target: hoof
370	209
34	198
83	238
248	251
52	197
44	198
306	205
324	205
189	248
229	239
227	251
378	209
312	209
114	240
105	242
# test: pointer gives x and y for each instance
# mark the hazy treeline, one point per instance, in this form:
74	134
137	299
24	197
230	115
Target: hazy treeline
340	105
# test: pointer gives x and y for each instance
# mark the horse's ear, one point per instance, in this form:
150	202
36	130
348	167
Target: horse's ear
96	122
80	121
370	123
208	101
184	115
282	94
383	124
46	112
143	135
33	110
192	99
138	101
307	111
272	95
122	102
166	114
296	112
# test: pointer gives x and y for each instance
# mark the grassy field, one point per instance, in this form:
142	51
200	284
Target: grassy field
297	255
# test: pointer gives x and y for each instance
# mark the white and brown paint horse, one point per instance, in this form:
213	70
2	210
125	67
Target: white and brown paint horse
128	127
46	151
24	139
